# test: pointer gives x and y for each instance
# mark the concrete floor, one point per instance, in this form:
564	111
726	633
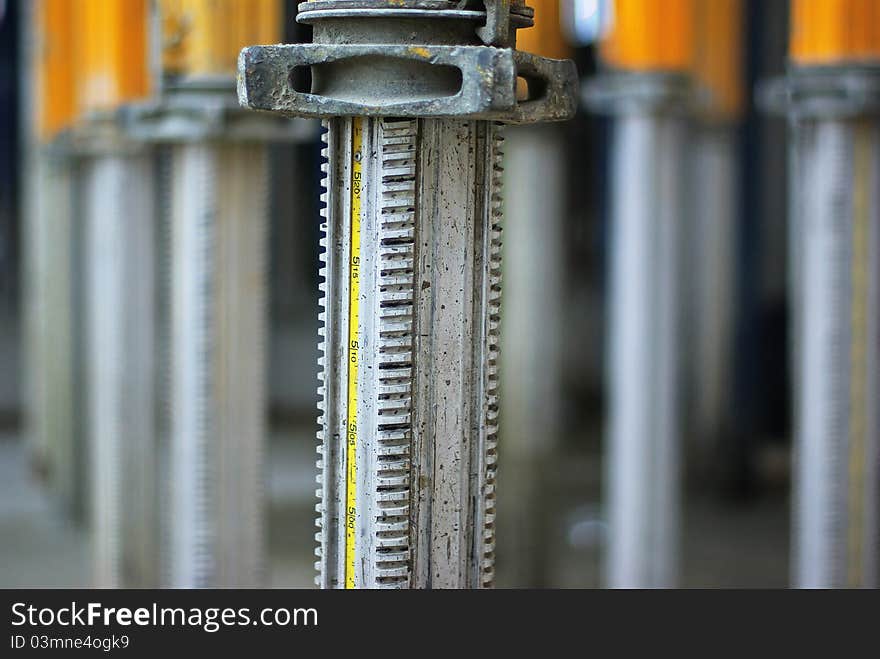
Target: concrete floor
38	547
724	545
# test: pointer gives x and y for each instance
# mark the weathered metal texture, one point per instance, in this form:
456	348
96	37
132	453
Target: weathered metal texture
427	400
217	424
835	226
644	424
409	394
409	59
487	89
121	318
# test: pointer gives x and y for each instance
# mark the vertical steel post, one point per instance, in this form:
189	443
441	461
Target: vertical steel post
532	323
49	310
216	208
648	54
115	177
714	213
409	402
218	310
832	96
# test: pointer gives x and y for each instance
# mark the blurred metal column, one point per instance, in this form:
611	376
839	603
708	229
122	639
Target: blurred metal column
121	317
48	336
217	210
712	241
409	396
648	55
535	183
115	178
832	96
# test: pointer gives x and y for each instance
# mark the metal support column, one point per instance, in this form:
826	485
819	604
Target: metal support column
832	96
532	323
216	207
121	319
218	234
411	95
646	89
49	312
714	214
115	178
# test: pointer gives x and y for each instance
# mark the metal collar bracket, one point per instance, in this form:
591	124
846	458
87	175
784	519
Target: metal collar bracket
198	115
409	58
653	92
830	92
487	88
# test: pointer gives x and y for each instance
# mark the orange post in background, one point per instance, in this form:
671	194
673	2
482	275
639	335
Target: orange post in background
111	53
718	61
202	38
545	38
54	106
829	32
648	35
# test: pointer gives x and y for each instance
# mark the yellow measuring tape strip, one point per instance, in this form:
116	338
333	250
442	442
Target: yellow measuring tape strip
354	266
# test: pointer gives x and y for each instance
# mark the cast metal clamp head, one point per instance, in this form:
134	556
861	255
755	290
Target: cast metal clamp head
410	58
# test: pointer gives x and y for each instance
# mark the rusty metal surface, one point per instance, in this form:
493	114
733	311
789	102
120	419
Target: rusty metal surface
410	58
487	89
411	271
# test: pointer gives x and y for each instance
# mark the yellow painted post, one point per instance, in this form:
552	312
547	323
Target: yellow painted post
111	53
833	32
647	35
202	38
53	67
545	38
718	58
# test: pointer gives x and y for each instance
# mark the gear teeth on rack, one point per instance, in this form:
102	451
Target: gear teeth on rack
396	280
487	576
322	352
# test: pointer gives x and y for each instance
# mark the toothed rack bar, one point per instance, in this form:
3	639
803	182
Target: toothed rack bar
411	92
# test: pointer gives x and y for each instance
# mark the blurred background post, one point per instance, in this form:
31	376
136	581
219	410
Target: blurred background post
647	87
831	95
